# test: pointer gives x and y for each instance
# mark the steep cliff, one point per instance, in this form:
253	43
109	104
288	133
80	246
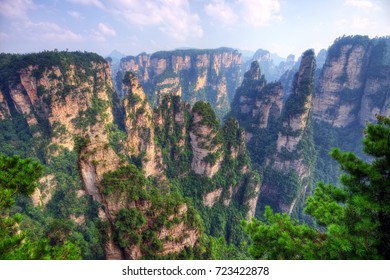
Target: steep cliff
146	223
352	88
209	163
139	125
61	107
289	171
258	106
208	75
206	141
65	100
354	72
279	134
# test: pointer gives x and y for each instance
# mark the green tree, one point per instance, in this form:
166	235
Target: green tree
353	221
280	237
17	176
20	177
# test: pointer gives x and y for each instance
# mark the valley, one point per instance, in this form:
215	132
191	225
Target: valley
170	155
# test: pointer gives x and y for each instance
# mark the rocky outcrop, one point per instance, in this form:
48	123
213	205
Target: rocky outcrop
376	96
352	88
206	141
179	236
135	214
342	77
208	75
251	195
294	142
4	109
353	85
257	103
279	134
42	195
171	125
139	125
209	199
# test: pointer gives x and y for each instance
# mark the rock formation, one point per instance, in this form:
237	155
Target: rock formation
294	156
208	75
66	102
278	133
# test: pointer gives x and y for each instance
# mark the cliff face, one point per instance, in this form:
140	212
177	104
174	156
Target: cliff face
208	75
353	83
139	125
294	146
342	77
352	88
256	103
210	162
142	222
279	134
66	104
206	144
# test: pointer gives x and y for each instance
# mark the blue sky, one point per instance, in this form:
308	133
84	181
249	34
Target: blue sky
134	26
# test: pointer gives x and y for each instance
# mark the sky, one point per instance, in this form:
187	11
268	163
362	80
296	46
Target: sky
134	26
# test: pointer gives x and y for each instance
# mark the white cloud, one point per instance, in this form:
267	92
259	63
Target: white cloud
15	8
360	23
222	11
172	17
363	4
260	12
96	3
356	23
3	36
64	35
51	31
75	14
106	30
253	12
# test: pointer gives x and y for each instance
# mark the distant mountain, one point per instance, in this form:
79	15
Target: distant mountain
116	54
246	54
272	66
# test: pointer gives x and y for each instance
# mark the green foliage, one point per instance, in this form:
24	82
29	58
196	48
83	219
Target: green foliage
10	64
116	137
334	50
302	89
16	138
169	136
232	133
325	137
355	218
279	237
89	117
286	187
212	158
19	177
205	110
134	226
127	225
127	178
